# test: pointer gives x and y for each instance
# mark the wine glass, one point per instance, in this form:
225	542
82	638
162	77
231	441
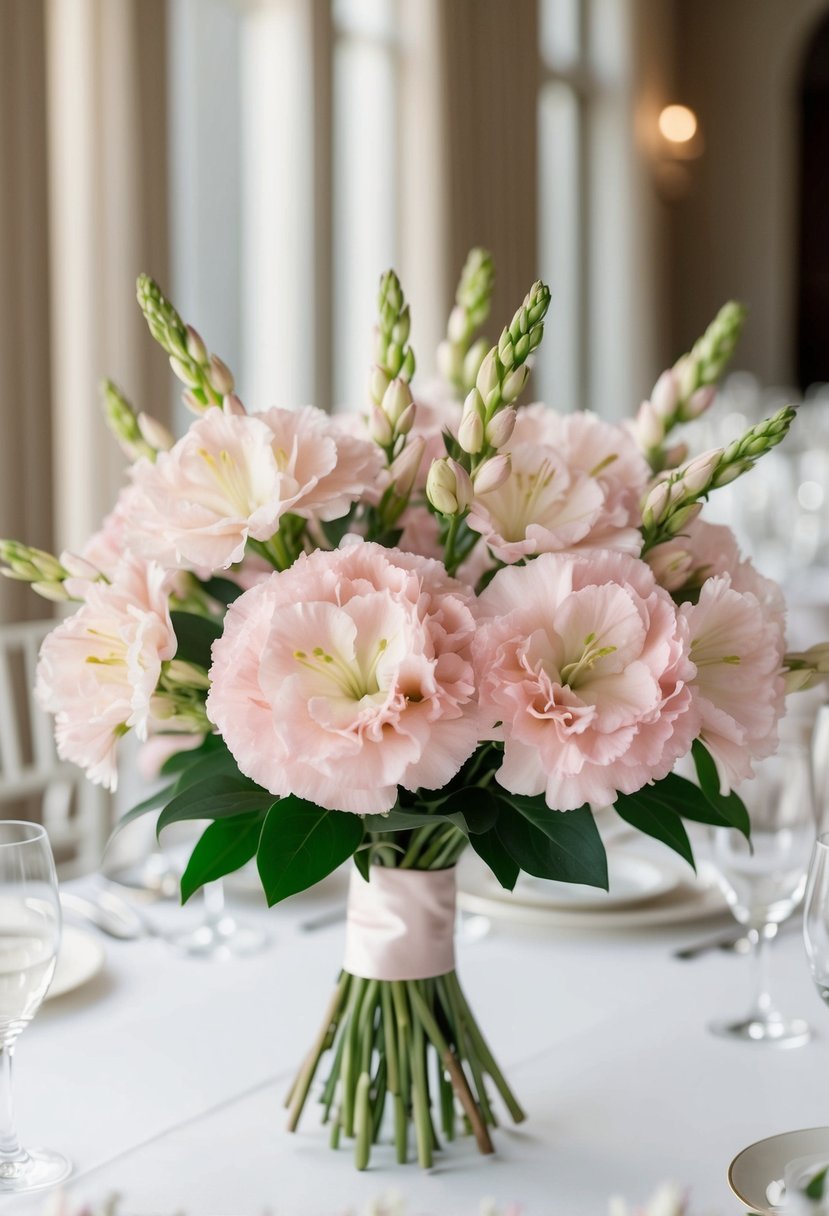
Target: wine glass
30	925
219	935
764	882
816	916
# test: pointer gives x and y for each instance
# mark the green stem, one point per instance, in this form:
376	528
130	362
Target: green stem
449	560
485	1054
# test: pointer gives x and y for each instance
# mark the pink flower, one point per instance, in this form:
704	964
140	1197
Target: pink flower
576	484
348	675
98	670
737	645
584	661
233	477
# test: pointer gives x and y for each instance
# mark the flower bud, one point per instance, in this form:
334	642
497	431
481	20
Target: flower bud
396	400
514	383
727	473
180	674
665	396
79	567
488	378
686	374
650	430
233	405
473	360
155	433
675	455
401	327
471	431
406	420
656	503
378	382
671	566
404	469
379	427
697	475
683	517
699	402
192	402
185	372
450	363
458	325
220	376
196	348
492	473
51	591
499	429
441	486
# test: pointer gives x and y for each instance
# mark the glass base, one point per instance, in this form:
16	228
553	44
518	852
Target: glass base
36	1170
779	1032
222	939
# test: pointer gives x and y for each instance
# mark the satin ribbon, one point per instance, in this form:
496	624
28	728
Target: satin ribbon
401	924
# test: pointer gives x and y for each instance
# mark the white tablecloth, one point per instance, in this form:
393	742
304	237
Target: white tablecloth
163	1077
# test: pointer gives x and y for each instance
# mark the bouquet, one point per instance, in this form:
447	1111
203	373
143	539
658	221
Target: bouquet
451	623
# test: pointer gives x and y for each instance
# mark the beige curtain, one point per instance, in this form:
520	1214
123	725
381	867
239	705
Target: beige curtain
490	66
106	74
25	421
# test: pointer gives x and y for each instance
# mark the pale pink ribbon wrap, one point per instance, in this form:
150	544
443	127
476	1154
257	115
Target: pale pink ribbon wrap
401	924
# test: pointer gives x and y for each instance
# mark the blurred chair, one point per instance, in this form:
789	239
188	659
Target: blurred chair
74	812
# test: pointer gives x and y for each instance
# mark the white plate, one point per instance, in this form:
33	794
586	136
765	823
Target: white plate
687	900
633	880
765	1162
81	957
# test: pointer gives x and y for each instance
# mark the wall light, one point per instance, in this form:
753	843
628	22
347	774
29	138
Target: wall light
678	141
678	124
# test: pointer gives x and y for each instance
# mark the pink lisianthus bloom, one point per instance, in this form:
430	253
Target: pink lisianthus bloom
584	661
99	669
602	451
738	647
233	476
347	675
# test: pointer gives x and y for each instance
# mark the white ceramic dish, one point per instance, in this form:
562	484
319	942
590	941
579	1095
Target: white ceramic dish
81	957
633	880
685	901
762	1165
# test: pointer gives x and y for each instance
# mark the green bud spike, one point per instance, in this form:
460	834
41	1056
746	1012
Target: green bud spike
206	377
122	420
393	355
472	301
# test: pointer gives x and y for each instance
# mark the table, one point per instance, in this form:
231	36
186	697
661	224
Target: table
163	1077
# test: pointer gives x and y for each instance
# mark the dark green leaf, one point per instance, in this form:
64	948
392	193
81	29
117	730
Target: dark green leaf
817	1187
149	804
214	798
335	529
562	845
195	636
223	847
645	811
222	589
477	807
399	820
489	848
191	755
362	860
301	844
730	806
213	764
690	802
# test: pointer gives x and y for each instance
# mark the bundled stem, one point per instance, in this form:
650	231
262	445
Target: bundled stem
411	1046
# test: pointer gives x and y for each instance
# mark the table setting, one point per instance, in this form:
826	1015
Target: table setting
477	763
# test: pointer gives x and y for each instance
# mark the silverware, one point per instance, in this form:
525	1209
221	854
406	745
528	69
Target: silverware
722	941
331	917
117	923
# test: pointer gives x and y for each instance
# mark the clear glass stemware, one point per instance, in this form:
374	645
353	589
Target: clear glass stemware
816	917
30	928
764	882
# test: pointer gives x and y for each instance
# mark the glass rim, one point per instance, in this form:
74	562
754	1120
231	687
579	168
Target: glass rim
36	832
823	840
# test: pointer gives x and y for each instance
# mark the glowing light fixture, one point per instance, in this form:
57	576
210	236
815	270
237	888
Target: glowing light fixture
678	124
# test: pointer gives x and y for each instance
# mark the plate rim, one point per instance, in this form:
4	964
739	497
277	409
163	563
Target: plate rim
797	1131
84	934
668	868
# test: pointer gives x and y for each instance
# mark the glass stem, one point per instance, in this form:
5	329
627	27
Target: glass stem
214	902
10	1150
762	1008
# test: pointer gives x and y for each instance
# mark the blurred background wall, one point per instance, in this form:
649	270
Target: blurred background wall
266	159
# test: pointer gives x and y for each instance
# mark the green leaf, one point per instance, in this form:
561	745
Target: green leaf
362	860
817	1187
213	764
222	589
301	843
149	804
223	847
492	851
688	800
195	636
646	811
730	806
191	755
562	845
477	807
214	798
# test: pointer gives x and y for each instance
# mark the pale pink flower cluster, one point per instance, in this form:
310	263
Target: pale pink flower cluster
576	483
233	477
99	669
347	675
584	663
